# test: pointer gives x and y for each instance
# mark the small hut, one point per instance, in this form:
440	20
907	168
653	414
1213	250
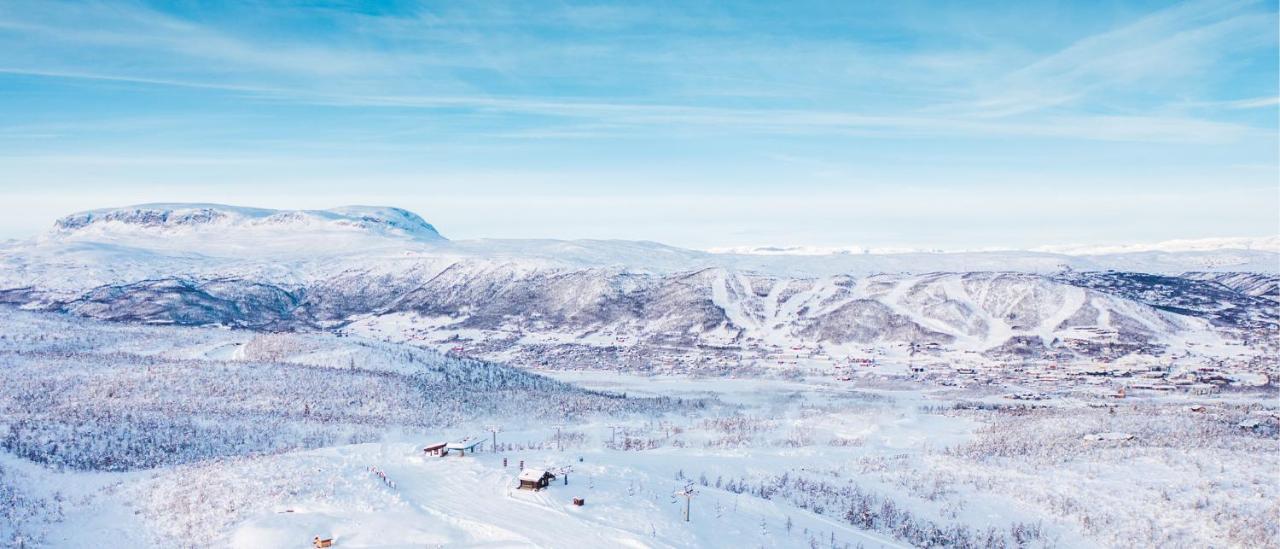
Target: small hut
535	479
435	449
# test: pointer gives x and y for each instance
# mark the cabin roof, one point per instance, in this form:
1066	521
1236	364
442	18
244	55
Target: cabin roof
534	475
465	444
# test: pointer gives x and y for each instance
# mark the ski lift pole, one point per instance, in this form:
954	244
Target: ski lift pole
494	429
687	493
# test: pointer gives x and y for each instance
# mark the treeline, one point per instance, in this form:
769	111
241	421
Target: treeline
868	510
91	409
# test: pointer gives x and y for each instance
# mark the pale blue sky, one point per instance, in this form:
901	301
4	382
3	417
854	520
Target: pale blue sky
914	124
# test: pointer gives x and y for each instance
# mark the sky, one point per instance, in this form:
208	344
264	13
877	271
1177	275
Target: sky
934	125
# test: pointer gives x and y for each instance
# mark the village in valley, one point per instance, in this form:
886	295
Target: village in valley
1098	363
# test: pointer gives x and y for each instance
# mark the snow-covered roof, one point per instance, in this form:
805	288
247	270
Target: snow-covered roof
465	444
533	475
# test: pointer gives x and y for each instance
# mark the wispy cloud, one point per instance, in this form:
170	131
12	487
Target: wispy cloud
157	39
180	83
1255	103
1171	45
451	60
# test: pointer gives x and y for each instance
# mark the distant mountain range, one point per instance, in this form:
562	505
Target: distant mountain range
387	272
1261	243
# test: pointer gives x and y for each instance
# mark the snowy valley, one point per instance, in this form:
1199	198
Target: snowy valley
192	374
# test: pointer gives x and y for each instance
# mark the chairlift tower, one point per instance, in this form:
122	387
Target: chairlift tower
687	493
495	429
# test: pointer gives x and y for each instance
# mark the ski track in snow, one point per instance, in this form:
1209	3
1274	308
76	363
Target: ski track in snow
1074	300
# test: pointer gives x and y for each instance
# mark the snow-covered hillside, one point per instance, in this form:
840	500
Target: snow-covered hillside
169	436
386	273
179	375
205	393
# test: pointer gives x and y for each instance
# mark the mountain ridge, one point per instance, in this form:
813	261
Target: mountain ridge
622	302
168	219
244	233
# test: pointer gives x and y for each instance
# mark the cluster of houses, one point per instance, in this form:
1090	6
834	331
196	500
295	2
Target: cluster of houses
1043	378
1096	358
1088	356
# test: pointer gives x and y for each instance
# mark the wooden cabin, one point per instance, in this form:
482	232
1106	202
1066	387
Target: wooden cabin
321	543
535	479
435	449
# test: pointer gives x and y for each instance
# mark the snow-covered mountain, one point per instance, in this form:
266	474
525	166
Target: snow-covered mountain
201	228
386	272
356	233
